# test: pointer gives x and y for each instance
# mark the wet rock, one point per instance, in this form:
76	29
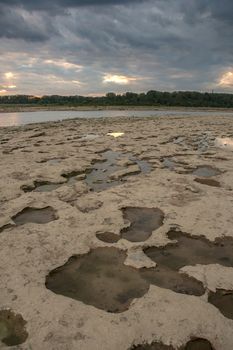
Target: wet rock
131	170
81	188
136	258
66	193
81	177
125	162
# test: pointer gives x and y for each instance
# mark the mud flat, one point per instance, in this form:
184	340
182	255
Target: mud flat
116	234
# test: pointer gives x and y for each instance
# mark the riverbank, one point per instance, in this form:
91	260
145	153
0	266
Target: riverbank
108	200
35	108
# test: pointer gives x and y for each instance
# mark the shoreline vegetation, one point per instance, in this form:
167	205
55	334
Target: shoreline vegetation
129	100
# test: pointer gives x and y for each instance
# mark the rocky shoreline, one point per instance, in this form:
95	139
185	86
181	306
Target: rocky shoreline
64	166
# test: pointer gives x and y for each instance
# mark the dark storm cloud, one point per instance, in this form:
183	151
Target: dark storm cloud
215	9
157	44
17	24
45	4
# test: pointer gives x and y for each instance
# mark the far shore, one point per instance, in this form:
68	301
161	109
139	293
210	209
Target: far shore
32	108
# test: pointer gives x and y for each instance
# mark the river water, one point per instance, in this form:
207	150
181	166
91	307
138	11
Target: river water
21	118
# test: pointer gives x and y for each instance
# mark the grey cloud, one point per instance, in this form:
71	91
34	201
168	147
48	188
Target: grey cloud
183	44
45	4
17	24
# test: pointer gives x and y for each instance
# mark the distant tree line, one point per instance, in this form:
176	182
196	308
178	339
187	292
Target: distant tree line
151	98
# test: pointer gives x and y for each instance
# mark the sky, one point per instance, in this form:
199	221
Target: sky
89	47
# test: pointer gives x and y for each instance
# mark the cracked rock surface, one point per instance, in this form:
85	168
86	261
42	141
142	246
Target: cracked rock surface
43	153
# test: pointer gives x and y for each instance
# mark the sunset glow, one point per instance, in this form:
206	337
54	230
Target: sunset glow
118	79
63	64
9	75
226	79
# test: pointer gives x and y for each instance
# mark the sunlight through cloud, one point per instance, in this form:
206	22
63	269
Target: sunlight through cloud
117	79
226	79
64	64
9	75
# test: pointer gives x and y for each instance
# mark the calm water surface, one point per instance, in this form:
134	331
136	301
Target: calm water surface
21	118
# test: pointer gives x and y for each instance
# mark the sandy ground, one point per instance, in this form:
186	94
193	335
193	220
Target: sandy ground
29	252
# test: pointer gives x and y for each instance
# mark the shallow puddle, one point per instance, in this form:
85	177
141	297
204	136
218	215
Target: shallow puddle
104	174
164	277
108	237
206	171
179	140
191	251
153	346
101	177
35	215
223	300
208	182
185	252
12	328
51	161
198	344
89	137
47	187
71	178
195	344
41	186
99	278
54	161
143	221
169	163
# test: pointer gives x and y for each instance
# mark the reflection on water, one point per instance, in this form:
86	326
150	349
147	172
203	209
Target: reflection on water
113	169
206	171
224	142
169	163
115	134
11	119
89	137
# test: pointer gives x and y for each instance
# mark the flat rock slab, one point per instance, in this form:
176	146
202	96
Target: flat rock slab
153	286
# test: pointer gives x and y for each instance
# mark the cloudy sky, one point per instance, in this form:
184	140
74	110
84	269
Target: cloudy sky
90	47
